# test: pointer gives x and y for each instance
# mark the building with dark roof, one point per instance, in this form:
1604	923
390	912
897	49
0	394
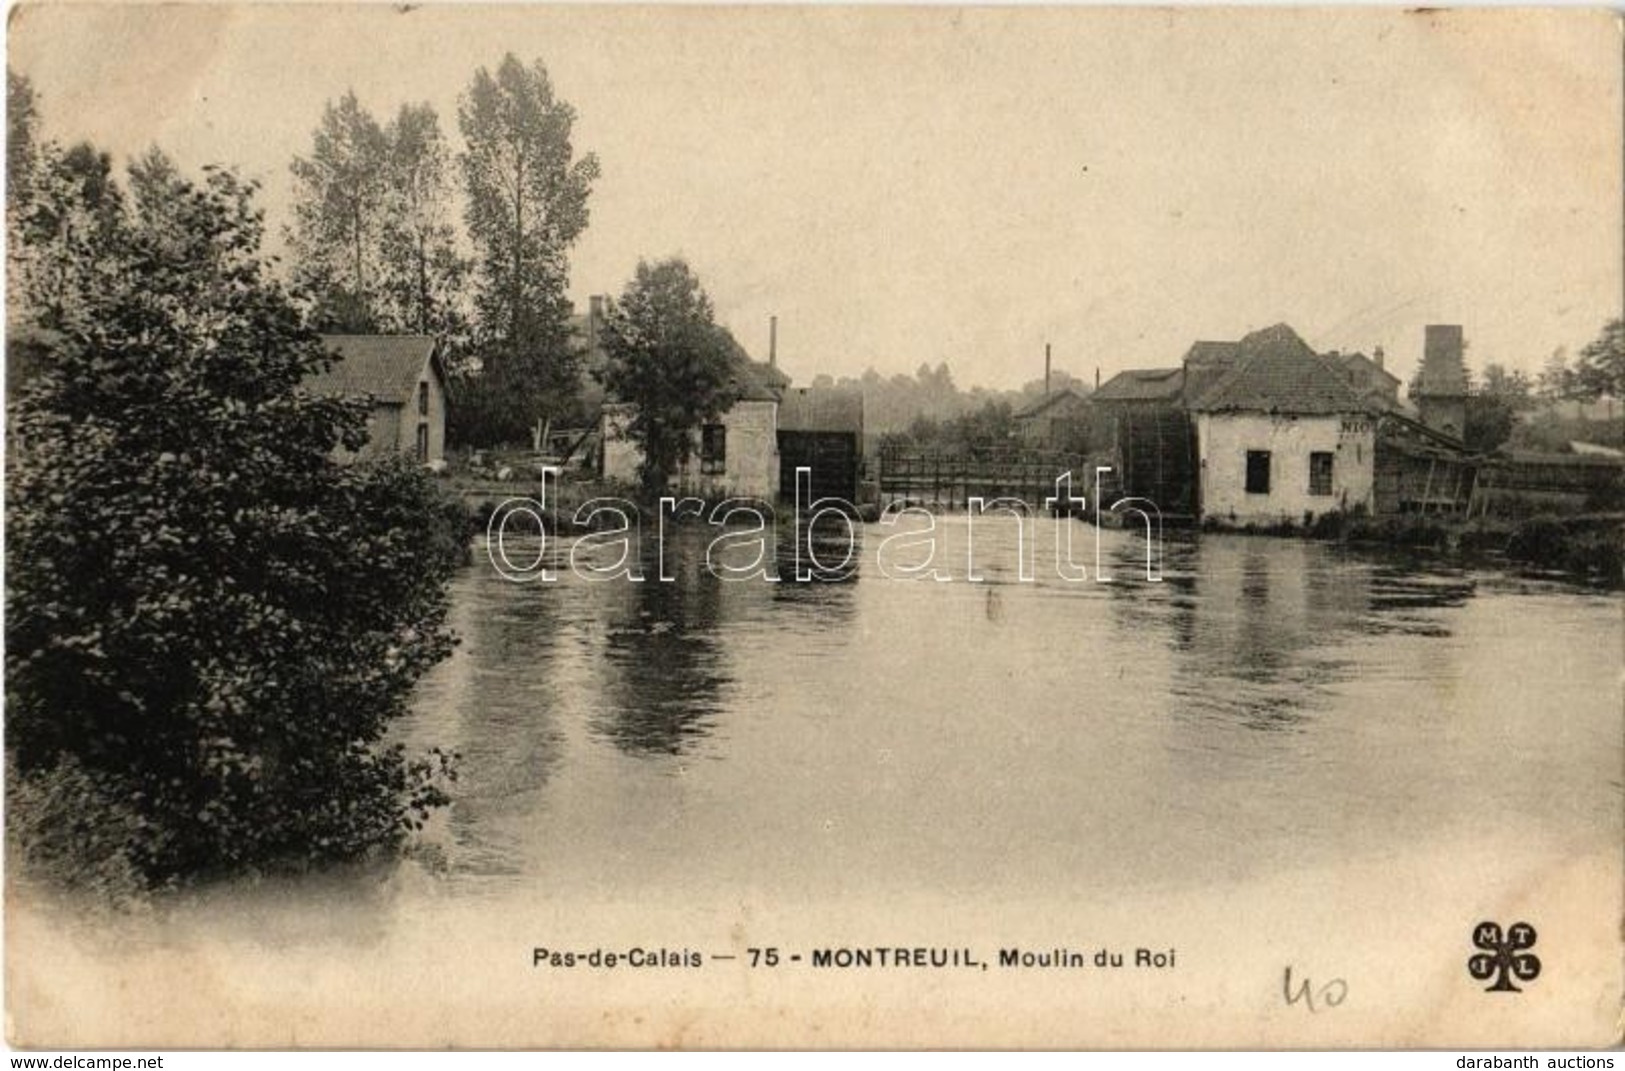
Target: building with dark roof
1205	363
1264	430
1282	435
1142	428
1056	421
1369	378
1275	371
402	377
1148	386
821	430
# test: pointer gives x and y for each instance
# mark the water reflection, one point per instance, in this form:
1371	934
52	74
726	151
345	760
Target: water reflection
1262	625
500	710
666	676
831	561
1261	700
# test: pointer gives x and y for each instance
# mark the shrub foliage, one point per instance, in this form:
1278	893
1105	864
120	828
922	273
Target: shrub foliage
211	621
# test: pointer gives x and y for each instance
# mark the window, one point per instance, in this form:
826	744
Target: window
423	443
423	399
1258	472
1320	473
714	449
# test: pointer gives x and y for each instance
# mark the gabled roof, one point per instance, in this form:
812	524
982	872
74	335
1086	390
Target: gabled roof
1360	364
1205	352
821	409
1044	404
386	367
1205	364
1276	372
1143	385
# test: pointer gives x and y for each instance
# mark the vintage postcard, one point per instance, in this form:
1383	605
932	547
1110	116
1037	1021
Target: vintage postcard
540	526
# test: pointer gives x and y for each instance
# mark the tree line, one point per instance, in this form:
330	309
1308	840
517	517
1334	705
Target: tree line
378	243
1501	401
212	616
375	244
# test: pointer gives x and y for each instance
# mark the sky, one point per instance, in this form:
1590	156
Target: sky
930	184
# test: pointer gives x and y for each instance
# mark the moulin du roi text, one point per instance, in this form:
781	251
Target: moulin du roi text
852	957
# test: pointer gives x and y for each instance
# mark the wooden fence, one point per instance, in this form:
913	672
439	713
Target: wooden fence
946	480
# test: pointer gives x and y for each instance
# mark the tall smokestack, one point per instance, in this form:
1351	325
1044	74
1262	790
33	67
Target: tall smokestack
772	341
1046	369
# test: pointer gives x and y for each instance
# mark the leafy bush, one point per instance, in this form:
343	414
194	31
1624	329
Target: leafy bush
1583	545
210	621
73	828
1404	530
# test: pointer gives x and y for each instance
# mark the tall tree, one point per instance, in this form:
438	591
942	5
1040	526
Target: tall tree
157	195
1556	380
1600	371
1513	386
338	216
526	206
22	133
372	240
422	274
669	359
62	230
22	154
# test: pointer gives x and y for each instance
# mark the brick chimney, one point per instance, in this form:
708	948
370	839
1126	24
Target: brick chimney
1441	389
1443	372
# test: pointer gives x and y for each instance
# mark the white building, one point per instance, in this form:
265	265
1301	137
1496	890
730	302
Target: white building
1282	436
737	455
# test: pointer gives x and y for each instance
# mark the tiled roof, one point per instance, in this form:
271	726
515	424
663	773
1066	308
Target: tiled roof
1203	352
1277	372
1360	364
1205	363
821	409
387	367
1043	404
1143	385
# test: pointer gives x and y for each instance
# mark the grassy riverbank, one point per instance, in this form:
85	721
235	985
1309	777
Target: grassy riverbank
1590	545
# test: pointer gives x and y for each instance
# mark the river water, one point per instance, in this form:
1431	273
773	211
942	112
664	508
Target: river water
1281	755
1267	703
